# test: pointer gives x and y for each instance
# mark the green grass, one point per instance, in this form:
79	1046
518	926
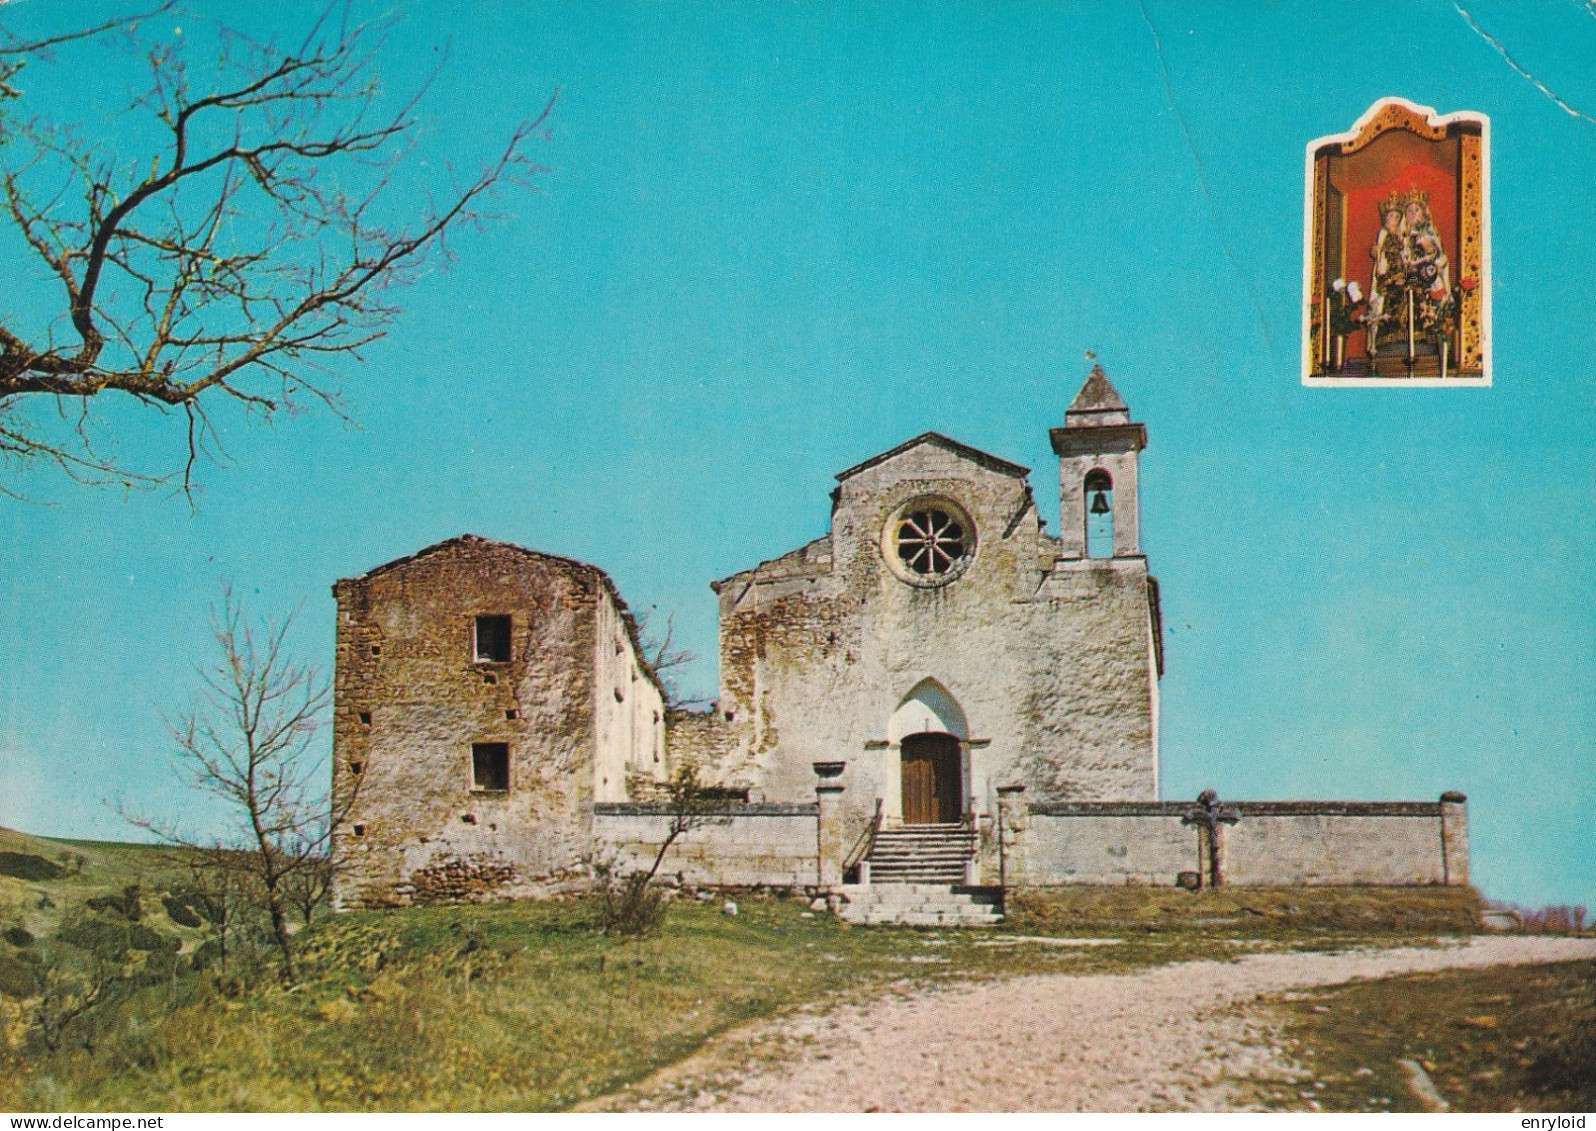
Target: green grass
528	1007
1303	914
1502	1039
508	1007
84	869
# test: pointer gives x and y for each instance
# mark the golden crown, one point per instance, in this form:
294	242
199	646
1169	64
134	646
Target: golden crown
1399	201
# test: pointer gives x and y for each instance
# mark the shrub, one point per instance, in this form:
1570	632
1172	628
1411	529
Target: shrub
141	937
181	911
22	866
112	940
129	904
17	978
628	905
1555	920
18	936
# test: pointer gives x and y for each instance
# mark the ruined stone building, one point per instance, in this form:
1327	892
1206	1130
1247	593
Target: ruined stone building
485	697
936	690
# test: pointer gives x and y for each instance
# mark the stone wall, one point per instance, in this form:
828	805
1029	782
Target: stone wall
411	698
629	709
1051	663
774	845
1272	843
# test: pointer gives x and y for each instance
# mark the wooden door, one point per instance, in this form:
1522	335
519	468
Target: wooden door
932	792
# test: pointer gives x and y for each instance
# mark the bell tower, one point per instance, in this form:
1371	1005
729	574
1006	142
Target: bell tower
1099	449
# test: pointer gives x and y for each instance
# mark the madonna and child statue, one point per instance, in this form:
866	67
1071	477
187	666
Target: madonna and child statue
1396	251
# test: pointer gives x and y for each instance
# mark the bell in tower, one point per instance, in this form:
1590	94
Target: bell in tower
1098	450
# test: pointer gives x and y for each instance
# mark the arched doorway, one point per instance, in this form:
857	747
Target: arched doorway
932	779
930	728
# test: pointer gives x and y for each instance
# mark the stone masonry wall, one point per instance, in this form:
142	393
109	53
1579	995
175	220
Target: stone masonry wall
1050	662
739	846
1272	844
411	699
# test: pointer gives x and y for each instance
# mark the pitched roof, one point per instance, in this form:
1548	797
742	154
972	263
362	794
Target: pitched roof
573	565
975	455
1098	395
477	539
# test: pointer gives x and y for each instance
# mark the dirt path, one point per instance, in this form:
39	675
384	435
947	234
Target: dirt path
1168	1039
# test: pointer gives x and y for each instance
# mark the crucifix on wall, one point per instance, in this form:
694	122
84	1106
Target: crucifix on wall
1209	814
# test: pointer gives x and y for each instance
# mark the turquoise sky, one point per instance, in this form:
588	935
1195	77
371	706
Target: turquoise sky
776	238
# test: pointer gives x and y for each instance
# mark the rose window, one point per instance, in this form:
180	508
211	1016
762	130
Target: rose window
931	542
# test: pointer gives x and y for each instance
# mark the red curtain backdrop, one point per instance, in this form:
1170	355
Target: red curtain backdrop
1394	163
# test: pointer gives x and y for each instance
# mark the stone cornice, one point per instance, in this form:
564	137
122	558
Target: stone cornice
664	809
1074	440
1245	808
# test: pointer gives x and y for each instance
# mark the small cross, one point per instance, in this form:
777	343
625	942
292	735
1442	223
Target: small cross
1210	813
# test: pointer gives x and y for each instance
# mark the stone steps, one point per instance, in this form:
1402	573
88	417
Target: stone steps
925	854
920	905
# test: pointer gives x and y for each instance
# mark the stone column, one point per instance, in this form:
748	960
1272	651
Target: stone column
1013	816
1455	839
830	844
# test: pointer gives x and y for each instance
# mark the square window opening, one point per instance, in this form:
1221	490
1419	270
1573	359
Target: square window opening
490	767
493	639
365	718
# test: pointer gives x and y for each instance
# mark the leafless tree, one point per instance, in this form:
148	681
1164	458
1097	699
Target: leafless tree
627	903
308	889
226	896
248	738
665	656
234	261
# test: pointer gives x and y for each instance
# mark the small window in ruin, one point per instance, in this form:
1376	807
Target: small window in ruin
365	718
493	639
489	677
512	714
376	649
360	830
357	768
490	766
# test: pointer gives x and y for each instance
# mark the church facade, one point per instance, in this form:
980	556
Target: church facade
936	690
943	643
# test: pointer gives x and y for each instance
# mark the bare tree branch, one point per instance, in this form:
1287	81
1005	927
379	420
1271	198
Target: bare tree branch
663	655
238	261
248	739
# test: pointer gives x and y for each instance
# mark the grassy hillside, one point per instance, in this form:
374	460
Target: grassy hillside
41	878
1509	1039
522	1006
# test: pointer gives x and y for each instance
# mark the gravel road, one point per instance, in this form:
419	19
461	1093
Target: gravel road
1167	1039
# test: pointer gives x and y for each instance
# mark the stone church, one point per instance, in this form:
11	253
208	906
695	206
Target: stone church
938	690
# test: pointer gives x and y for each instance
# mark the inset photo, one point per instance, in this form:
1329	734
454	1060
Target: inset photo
1396	250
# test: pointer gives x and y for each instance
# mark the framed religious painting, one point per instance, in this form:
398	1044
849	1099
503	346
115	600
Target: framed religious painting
1397	250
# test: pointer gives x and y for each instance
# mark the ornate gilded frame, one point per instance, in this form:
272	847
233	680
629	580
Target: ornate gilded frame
1471	261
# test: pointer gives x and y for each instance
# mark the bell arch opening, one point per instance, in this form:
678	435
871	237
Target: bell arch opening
1099	496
